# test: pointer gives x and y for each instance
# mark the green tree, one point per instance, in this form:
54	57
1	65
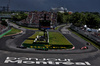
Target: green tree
92	20
77	19
19	16
4	23
60	17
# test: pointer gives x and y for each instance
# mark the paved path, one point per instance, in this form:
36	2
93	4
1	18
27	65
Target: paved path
93	59
74	39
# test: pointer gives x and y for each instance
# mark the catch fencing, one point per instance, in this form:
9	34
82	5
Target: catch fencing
86	34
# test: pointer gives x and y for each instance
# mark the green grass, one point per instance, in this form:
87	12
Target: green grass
4	33
57	38
35	35
13	31
27	27
59	27
93	43
30	40
57	41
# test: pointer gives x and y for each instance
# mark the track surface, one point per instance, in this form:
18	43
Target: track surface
92	56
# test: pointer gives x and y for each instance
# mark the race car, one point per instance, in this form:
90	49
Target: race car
84	48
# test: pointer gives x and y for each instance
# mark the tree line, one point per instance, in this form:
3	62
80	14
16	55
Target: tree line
19	16
91	19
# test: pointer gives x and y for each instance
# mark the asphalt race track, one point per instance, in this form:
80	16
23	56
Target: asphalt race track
12	56
17	40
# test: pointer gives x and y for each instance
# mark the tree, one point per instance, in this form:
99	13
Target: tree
60	17
19	16
77	19
4	23
92	20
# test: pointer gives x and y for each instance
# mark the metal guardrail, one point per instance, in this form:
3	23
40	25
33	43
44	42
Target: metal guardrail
87	35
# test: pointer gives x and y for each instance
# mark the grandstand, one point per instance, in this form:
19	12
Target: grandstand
33	19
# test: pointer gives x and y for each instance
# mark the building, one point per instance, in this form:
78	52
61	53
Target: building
70	12
60	9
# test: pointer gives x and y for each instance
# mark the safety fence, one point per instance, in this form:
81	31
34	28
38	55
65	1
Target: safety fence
86	34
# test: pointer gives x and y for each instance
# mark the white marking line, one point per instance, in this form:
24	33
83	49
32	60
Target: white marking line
87	63
49	61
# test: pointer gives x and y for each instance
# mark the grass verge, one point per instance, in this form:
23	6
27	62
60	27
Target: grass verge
59	27
93	43
13	31
31	39
55	38
4	33
26	27
29	28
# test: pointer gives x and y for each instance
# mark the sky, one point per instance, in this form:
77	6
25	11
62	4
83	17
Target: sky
40	5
